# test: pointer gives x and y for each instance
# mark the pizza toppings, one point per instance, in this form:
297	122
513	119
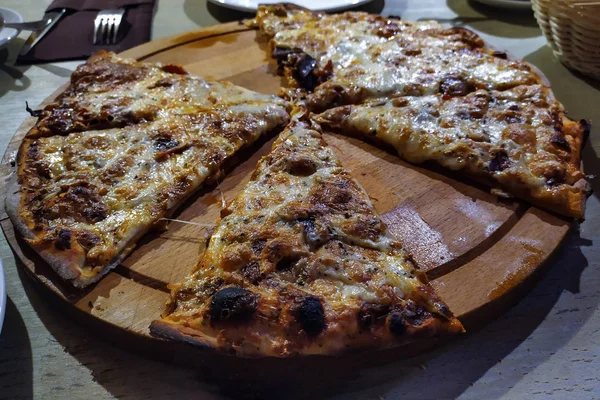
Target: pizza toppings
63	239
455	86
306	264
561	142
369	57
309	312
517	139
499	162
302	67
396	325
371	314
232	304
305	65
106	161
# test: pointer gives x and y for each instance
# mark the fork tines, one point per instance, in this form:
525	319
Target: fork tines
106	26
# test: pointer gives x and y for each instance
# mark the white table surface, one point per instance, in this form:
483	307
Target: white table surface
547	346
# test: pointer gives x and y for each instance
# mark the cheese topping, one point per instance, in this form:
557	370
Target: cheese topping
374	57
434	94
497	134
124	146
302	232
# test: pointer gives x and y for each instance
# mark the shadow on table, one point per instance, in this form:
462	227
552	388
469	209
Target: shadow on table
12	78
16	364
591	165
514	23
433	374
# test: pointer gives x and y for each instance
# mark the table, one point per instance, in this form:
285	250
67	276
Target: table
547	346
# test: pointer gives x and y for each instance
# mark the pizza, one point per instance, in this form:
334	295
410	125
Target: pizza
353	57
516	140
300	263
121	148
433	94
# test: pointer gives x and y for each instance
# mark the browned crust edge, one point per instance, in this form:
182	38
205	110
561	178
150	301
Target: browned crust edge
62	265
167	330
574	207
173	331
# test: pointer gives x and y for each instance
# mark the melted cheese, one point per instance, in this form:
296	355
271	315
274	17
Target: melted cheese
466	132
306	228
374	57
142	171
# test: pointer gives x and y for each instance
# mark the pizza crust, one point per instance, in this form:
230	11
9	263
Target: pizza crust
60	264
58	261
182	333
172	331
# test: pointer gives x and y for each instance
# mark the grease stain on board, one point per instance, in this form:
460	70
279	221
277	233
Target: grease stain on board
522	268
479	215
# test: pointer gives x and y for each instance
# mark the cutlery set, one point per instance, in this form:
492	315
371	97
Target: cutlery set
106	27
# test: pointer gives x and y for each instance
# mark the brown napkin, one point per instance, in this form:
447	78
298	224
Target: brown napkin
72	36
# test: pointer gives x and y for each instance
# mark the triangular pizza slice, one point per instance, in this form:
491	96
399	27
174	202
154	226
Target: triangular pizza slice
300	263
517	140
121	148
352	57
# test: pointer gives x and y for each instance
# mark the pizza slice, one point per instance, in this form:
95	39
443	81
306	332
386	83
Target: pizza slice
112	92
353	57
518	140
120	149
300	263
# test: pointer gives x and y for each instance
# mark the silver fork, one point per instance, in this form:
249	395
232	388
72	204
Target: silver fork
106	26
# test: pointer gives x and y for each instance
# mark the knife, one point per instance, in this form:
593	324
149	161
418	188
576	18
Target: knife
36	36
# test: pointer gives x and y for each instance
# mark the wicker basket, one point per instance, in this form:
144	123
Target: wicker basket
573	32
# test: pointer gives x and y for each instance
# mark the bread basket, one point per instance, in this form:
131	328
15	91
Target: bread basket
572	28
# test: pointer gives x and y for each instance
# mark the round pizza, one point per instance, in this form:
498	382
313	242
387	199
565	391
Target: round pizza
299	262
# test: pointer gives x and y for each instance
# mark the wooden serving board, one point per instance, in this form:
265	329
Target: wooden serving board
478	251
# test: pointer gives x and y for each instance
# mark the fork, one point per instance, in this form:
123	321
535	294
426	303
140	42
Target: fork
106	26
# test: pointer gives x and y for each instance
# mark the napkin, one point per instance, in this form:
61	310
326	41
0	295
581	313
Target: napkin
72	36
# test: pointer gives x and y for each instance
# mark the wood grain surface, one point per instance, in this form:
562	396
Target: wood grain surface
478	249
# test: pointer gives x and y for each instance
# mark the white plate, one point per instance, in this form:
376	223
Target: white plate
320	5
512	4
8	34
2	295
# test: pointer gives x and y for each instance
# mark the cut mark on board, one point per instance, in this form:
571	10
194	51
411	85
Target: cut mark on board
141	278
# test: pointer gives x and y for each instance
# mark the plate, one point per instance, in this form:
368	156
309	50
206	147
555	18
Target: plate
319	5
8	34
2	295
510	4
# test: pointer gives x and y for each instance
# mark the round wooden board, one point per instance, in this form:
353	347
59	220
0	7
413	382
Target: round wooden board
478	251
